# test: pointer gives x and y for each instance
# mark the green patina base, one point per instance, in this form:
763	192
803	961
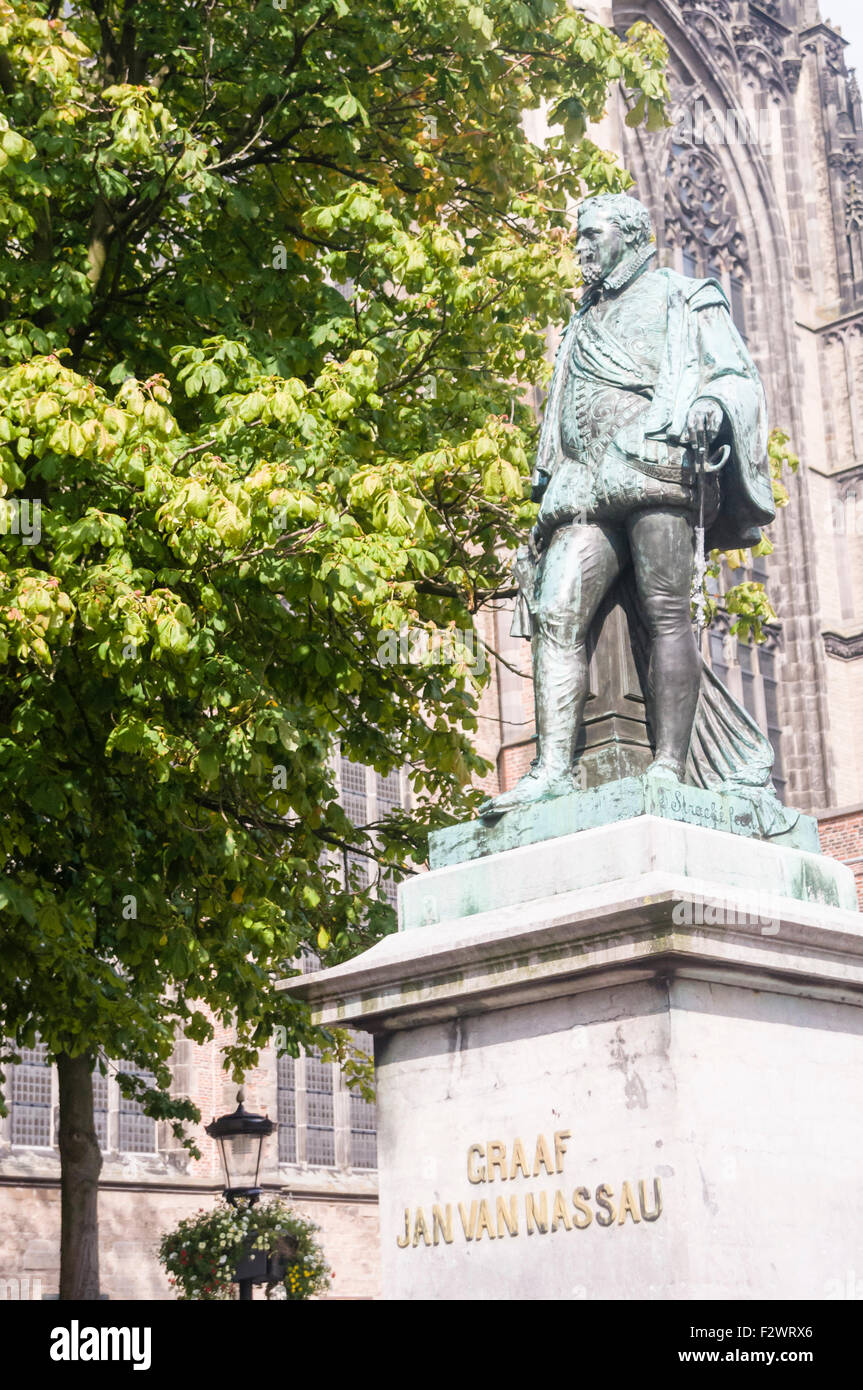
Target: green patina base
614	801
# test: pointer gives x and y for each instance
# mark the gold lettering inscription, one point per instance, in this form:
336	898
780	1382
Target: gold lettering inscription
468	1227
475	1173
657	1200
536	1212
496	1155
495	1165
543	1157
502	1216
496	1217
560	1212
420	1228
485	1222
442	1224
560	1148
627	1204
519	1160
580	1199
407	1237
604	1195
507	1218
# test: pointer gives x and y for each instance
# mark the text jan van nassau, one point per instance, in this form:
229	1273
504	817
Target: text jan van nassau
530	1212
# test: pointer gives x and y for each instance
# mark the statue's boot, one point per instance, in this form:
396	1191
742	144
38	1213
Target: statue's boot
665	770
545	779
561	676
674	681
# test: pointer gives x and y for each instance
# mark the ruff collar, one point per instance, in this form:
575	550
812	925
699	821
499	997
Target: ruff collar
626	270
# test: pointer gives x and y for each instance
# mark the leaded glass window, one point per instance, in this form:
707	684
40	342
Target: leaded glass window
29	1083
320	1126
286	1083
136	1132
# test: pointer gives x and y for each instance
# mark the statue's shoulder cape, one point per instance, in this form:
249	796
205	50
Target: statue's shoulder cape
706	358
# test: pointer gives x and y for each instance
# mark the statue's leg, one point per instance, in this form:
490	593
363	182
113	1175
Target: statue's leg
577	569
662	545
581	564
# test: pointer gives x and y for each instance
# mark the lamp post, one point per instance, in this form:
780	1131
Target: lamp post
241	1137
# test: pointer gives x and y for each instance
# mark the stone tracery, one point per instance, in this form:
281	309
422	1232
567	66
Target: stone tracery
702	216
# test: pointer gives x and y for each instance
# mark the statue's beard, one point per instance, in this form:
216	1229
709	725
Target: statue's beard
621	272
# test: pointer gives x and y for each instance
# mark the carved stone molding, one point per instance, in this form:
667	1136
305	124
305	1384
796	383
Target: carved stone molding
853	208
763	69
722	8
848	161
846	648
757	32
753	46
711	28
837	332
822	41
834	54
791	69
847	481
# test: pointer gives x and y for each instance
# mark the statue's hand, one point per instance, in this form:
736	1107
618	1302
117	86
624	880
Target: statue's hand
539	484
536	543
703	424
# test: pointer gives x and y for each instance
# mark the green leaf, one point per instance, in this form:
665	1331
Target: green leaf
209	764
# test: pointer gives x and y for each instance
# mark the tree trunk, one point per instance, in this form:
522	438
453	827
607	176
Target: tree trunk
80	1163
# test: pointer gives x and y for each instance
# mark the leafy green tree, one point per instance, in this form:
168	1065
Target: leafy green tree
275	279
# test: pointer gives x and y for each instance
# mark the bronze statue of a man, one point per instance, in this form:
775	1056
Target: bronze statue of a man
655	415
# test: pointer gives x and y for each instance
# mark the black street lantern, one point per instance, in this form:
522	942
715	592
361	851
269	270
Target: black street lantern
240	1137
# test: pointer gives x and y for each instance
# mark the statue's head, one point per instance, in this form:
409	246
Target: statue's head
611	226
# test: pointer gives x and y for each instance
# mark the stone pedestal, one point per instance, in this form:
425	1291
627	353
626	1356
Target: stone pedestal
622	1063
614	740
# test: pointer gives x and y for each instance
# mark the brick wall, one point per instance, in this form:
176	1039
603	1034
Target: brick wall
131	1224
842	838
515	762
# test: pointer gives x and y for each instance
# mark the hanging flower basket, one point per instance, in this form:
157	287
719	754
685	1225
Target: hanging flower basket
269	1242
268	1266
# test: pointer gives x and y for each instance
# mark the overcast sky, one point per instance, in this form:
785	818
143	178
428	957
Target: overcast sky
848	14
